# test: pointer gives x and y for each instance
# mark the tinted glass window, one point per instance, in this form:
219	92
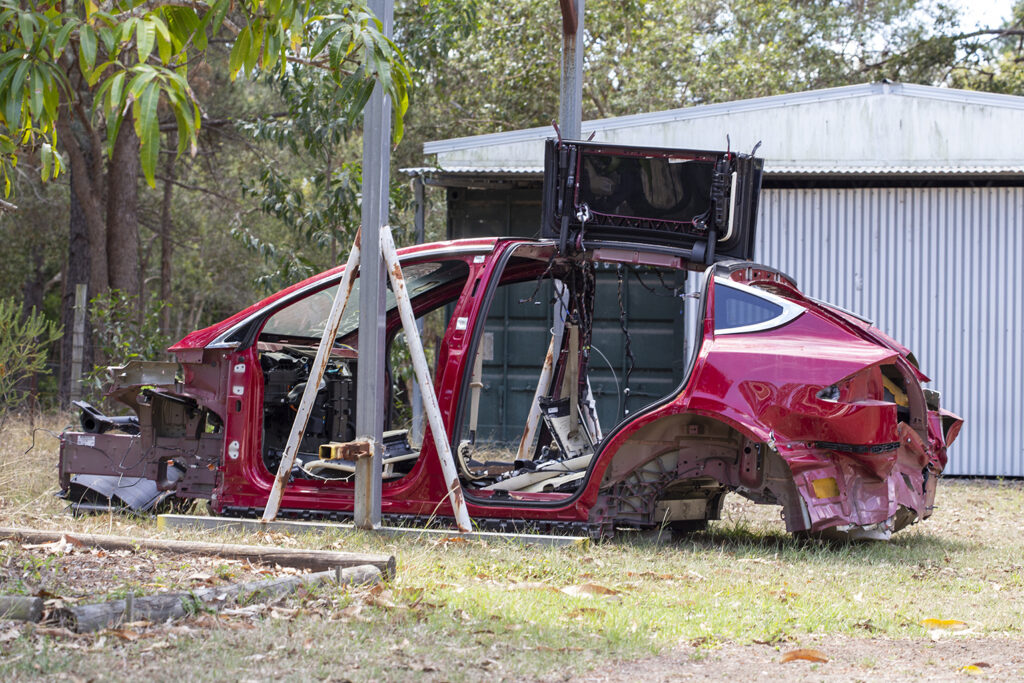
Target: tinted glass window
736	308
675	190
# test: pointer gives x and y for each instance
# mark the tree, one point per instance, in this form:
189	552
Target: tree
645	56
994	57
72	73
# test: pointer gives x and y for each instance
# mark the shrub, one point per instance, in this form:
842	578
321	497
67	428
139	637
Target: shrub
23	349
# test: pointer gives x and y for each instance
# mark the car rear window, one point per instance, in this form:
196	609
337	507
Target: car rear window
745	310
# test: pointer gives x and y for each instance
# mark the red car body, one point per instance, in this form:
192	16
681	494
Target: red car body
777	397
796	414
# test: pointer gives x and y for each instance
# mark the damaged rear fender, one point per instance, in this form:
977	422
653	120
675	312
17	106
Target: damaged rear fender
678	468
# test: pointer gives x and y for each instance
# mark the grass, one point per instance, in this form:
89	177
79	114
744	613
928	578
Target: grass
473	610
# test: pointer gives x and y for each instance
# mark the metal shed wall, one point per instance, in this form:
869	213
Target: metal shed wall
940	269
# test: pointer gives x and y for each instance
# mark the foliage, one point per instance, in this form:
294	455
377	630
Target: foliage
123	332
316	196
23	349
646	56
994	59
136	55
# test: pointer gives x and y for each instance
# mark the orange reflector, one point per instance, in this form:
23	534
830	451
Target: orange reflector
825	488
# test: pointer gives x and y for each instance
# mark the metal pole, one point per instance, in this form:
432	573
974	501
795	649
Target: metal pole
570	103
419	364
370	389
316	373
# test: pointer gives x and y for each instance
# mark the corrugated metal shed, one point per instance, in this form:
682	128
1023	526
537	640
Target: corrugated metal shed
902	203
871	128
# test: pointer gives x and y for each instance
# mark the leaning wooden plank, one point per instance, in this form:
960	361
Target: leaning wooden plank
159	608
315	560
21	607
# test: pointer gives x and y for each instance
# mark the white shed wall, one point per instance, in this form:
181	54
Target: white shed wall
942	271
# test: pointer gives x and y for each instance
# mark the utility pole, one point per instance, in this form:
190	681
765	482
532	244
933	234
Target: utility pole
570	114
370	389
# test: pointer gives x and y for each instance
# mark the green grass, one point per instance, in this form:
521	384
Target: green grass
468	611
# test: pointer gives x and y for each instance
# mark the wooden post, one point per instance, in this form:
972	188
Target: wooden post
78	343
315	560
21	607
159	608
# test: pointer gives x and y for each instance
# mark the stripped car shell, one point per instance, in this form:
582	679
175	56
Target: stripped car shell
777	397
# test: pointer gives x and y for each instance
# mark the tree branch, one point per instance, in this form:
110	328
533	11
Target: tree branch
170	125
195	188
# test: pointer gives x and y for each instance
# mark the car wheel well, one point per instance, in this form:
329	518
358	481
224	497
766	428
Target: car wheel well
677	470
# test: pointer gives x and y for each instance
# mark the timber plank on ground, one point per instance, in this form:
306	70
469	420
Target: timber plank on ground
315	560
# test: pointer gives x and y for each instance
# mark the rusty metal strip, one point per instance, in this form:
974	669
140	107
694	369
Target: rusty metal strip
419	364
297	527
316	373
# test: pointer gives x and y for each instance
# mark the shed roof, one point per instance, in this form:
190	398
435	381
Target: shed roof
875	128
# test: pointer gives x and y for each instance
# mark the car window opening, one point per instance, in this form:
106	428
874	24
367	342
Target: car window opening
287	346
565	353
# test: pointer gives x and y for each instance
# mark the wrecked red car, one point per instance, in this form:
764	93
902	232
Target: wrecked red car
565	410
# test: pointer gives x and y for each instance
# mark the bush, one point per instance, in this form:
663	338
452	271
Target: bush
23	349
121	333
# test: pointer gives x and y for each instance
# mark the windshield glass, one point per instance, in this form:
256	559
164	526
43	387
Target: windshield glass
307	317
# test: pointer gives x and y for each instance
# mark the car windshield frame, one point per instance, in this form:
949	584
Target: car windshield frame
421	277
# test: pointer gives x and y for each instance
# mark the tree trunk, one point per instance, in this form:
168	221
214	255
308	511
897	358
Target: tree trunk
165	243
32	300
122	212
87	193
76	271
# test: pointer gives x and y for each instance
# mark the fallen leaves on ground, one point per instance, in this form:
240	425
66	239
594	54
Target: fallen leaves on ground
63	546
54	632
589	590
546	648
943	623
532	586
803	654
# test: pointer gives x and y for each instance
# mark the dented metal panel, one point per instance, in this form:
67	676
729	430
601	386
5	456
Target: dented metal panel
937	268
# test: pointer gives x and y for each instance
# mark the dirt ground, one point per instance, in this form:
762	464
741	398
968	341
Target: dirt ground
849	659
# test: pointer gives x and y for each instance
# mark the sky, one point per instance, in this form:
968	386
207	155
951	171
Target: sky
986	13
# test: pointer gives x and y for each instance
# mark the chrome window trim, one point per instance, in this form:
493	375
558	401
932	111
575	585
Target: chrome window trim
790	310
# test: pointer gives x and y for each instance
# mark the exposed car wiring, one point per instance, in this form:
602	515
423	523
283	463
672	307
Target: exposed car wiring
615	378
624	325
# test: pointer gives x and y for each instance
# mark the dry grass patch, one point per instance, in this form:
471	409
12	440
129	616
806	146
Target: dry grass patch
472	610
